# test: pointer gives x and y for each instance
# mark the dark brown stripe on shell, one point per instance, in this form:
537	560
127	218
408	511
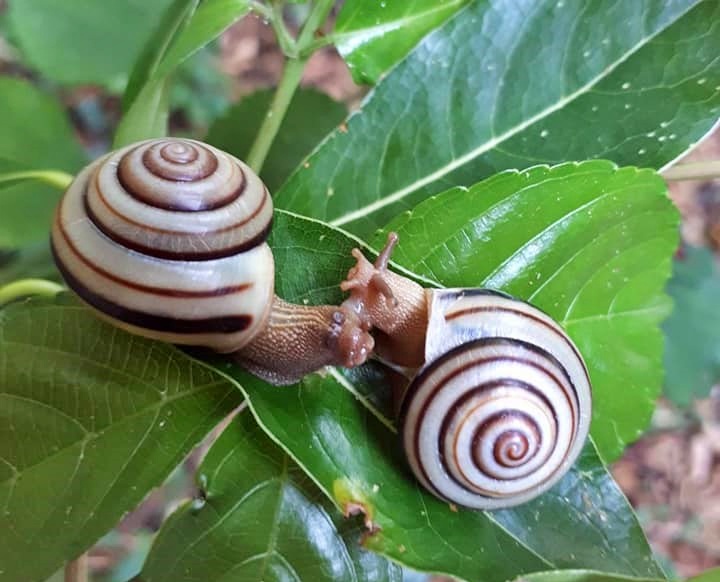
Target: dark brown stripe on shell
134	188
451	354
500	417
258	239
487	386
174	158
160	291
225	324
497	309
178	173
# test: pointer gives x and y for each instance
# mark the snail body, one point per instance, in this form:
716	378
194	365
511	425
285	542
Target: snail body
499	406
166	239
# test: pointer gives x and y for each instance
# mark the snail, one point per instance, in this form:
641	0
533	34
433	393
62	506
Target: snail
166	238
500	406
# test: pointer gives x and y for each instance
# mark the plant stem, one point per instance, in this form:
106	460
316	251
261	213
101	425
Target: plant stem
318	16
697	171
28	287
292	74
261	10
59	180
287	43
273	118
77	570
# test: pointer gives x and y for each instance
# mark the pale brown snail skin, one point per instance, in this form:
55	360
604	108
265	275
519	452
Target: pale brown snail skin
499	405
166	239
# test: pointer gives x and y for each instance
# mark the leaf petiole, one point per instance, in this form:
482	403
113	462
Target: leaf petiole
292	74
28	287
696	171
55	178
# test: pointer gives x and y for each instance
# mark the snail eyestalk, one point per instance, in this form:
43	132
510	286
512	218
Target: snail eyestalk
166	239
500	404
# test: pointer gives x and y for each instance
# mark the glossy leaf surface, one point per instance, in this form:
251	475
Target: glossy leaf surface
259	517
168	28
84	41
493	88
35	135
90	420
587	243
692	332
310	117
339	428
373	35
184	29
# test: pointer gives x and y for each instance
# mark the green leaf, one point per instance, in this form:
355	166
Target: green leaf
373	35
506	85
168	29
207	23
310	116
147	118
338	428
357	461
589	244
84	41
35	135
31	261
91	419
692	332
259	517
182	32
35	132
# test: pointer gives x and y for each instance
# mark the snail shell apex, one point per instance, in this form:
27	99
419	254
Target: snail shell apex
166	239
503	406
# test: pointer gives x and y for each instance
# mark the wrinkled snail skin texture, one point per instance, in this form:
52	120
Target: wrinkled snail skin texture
166	239
500	406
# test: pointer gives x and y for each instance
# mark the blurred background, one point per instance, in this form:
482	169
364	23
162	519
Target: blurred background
671	475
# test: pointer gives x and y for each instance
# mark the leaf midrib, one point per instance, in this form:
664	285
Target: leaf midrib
506	135
381	29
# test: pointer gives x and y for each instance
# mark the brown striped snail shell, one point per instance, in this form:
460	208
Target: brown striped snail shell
166	239
501	409
500	405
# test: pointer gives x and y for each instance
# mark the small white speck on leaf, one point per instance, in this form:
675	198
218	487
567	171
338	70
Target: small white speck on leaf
626	85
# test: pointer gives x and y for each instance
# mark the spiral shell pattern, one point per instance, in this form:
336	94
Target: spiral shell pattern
499	418
166	239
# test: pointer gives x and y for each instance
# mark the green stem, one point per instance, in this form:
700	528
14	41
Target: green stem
261	10
292	74
28	287
59	180
316	19
697	171
287	43
273	118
